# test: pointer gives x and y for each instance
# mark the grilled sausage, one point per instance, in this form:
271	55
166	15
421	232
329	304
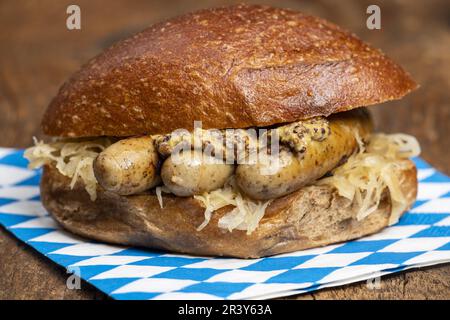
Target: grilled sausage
128	166
315	147
194	173
230	145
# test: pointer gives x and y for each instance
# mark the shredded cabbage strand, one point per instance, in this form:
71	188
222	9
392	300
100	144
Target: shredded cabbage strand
158	191
72	158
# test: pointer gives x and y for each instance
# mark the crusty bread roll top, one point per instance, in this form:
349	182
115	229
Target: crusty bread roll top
232	67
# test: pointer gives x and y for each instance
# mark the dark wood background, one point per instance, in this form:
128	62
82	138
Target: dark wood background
37	53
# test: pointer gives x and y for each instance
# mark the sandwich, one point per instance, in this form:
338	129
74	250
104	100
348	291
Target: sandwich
240	131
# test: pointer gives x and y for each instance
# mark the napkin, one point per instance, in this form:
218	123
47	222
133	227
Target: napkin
420	238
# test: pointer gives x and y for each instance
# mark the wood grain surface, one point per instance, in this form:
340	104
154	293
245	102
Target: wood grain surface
38	53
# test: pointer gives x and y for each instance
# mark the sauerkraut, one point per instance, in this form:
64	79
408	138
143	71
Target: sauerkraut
362	180
245	215
368	173
159	191
72	158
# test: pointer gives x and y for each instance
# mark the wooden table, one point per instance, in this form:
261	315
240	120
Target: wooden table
38	53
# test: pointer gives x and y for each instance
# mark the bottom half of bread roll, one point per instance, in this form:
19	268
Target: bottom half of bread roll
315	215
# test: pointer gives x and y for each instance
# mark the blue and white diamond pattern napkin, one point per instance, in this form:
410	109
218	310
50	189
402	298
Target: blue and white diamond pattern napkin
421	238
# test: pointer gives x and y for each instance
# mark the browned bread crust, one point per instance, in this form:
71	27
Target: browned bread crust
232	67
310	217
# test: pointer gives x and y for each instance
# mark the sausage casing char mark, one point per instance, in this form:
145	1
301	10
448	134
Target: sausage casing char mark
316	146
194	173
128	166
